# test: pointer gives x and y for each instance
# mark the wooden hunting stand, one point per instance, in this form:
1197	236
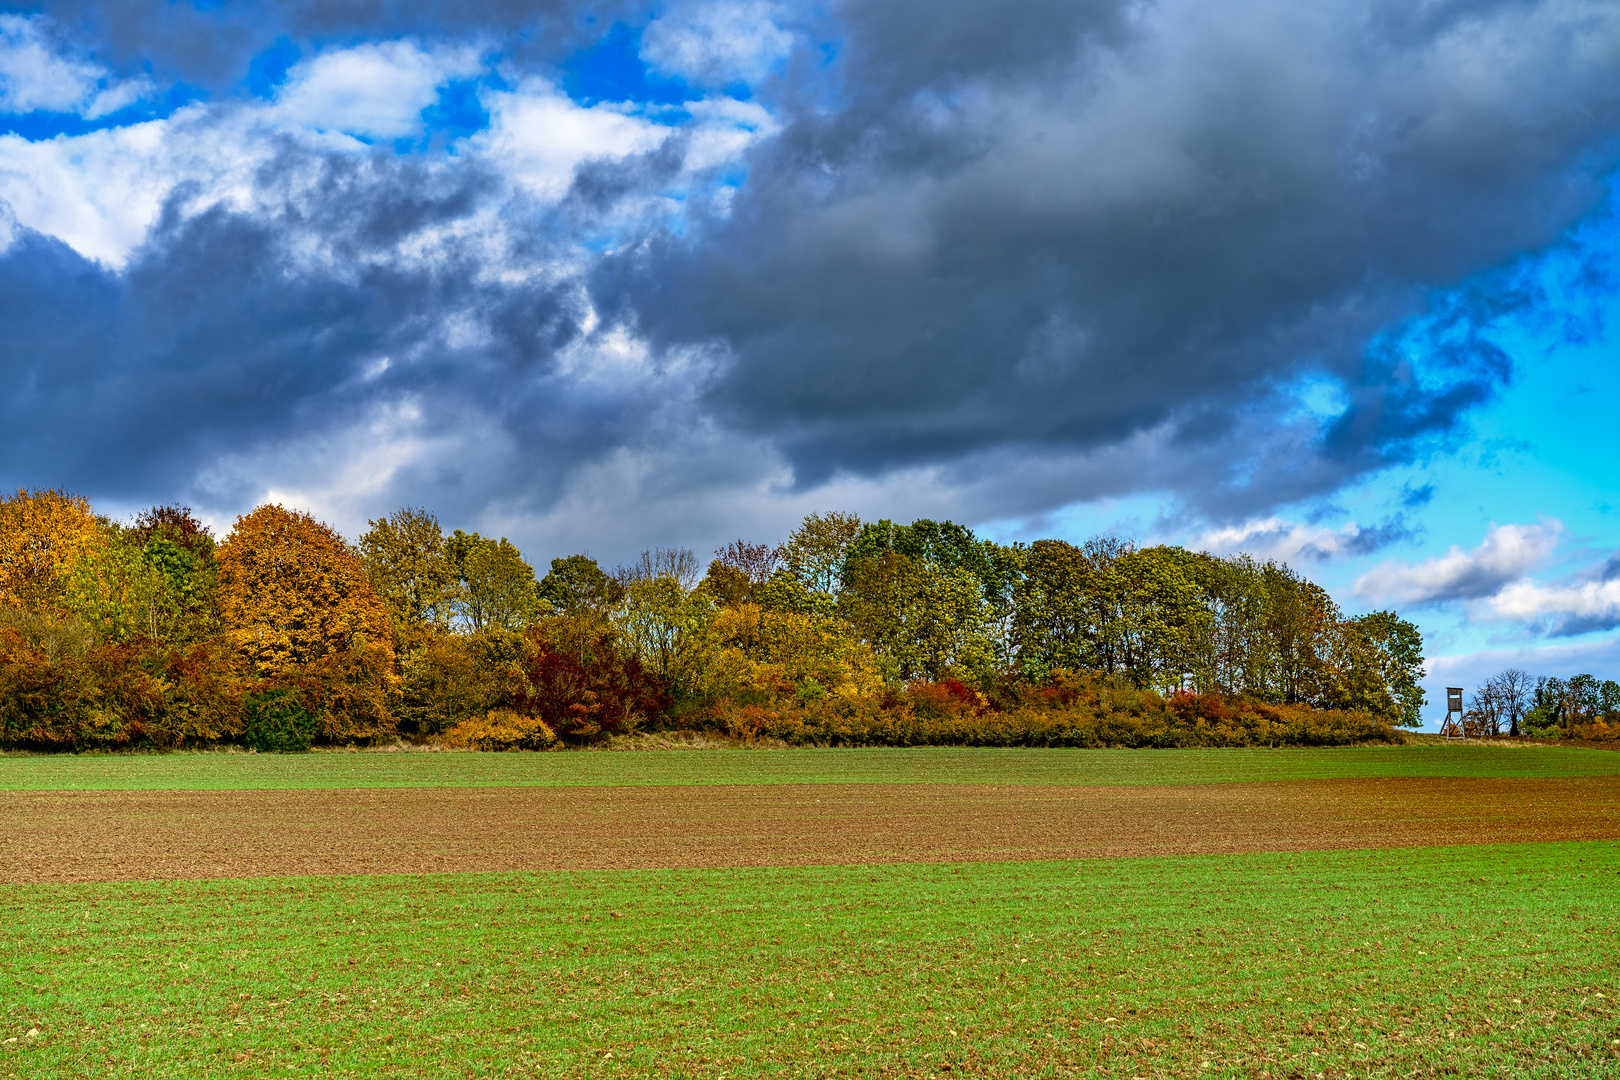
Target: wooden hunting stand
1454	728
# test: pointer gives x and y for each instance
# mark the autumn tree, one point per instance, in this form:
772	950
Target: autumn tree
581	683
179	526
665	627
773	653
450	678
42	535
498	589
409	567
756	562
577	584
679	564
816	551
299	608
726	585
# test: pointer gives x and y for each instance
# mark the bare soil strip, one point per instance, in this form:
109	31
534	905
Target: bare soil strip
54	836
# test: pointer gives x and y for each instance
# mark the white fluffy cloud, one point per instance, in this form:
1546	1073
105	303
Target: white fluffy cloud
1570	607
102	191
717	43
374	90
1508	553
1294	542
35	75
537	136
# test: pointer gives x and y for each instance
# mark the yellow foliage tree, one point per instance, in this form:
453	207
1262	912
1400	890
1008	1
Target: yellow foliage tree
409	567
297	605
43	535
793	653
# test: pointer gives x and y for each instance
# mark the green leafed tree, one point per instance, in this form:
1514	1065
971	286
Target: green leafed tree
1052	621
116	590
1164	621
154	579
498	589
578	584
923	620
816	551
410	568
1395	659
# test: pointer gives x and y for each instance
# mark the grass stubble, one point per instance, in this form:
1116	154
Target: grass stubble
1476	961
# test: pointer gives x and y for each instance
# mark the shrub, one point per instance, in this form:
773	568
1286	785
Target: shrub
449	678
1075	710
277	722
81	697
1596	731
578	680
501	729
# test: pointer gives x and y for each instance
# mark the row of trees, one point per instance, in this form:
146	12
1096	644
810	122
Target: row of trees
112	633
1513	702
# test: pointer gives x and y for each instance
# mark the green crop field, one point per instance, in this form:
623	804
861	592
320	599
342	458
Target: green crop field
213	771
1488	961
1477	961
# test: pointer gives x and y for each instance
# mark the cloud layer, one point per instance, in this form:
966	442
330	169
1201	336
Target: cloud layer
1495	583
1507	555
984	260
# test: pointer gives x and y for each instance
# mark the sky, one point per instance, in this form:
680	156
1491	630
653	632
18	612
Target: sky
1332	283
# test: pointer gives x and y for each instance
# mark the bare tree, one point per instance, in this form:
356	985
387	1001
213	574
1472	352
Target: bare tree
1485	708
678	563
1512	688
756	562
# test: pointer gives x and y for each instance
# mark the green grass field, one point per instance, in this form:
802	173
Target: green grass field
1489	961
1473	961
212	771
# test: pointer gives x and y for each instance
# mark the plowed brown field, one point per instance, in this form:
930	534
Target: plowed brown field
108	836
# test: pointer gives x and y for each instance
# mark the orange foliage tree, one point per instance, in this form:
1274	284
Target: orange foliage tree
42	536
300	611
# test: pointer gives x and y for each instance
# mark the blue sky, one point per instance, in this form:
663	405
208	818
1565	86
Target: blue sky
1329	284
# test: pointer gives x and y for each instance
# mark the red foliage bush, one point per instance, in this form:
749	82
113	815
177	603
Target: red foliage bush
938	700
582	685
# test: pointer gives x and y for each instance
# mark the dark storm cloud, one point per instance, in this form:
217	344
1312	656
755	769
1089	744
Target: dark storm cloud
1047	250
1058	226
210	46
224	336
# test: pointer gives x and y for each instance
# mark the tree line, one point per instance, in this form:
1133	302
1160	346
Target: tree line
153	631
1515	703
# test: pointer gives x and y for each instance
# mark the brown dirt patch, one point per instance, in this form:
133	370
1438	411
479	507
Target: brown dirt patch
129	835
